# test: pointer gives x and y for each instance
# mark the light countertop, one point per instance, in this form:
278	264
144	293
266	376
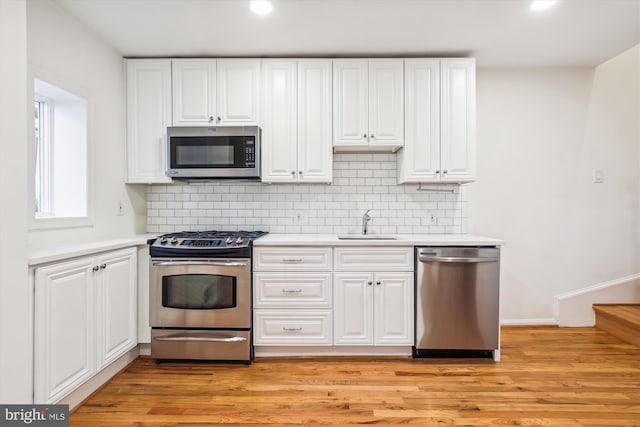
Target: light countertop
402	240
44	256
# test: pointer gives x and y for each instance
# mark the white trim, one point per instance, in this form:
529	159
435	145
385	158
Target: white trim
279	351
575	308
524	322
599	286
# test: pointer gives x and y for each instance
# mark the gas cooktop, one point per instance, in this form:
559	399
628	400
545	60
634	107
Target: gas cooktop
204	244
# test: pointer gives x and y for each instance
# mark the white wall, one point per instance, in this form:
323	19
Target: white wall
64	52
541	132
15	292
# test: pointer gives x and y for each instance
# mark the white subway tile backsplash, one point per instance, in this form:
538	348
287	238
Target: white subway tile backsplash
361	181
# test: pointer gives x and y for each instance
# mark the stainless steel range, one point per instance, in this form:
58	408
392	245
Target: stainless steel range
200	295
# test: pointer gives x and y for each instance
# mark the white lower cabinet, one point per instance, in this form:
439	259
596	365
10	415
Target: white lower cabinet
373	307
332	299
292	297
293	327
85	318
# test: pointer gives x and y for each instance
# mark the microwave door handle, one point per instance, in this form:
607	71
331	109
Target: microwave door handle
209	263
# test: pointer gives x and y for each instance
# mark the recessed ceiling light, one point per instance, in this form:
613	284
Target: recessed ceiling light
539	5
261	7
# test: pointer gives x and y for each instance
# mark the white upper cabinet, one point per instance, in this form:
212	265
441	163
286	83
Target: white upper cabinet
386	112
439	121
296	117
458	119
421	153
368	104
214	92
238	91
315	157
194	92
279	114
148	115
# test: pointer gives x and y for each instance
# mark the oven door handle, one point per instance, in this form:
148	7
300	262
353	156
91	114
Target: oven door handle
196	338
213	263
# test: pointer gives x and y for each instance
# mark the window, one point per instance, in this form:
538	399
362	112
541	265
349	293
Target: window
60	153
42	158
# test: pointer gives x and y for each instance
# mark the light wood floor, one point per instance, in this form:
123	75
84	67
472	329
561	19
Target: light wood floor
547	377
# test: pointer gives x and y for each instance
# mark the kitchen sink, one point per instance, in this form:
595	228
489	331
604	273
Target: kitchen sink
367	237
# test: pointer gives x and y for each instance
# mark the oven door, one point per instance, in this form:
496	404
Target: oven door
191	293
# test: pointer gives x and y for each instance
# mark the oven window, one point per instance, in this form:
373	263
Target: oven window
199	291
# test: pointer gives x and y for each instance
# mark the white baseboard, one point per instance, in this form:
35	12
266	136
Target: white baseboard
575	308
525	322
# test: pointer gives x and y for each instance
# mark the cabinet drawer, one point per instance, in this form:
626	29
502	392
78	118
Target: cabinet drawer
291	259
294	290
374	259
293	328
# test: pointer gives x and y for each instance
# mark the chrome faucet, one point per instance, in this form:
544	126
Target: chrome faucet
365	220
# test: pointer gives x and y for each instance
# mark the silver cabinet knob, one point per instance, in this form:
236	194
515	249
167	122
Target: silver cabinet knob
437	171
372	136
364	136
210	118
219	119
293	173
300	172
445	171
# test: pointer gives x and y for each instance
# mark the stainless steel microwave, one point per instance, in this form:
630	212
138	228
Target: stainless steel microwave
222	152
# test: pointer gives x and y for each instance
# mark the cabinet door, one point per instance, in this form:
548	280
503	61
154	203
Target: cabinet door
116	303
194	92
386	106
353	309
393	308
315	155
279	113
458	119
148	115
238	93
419	160
64	328
350	102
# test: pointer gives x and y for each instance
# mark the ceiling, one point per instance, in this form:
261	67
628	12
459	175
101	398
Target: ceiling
499	33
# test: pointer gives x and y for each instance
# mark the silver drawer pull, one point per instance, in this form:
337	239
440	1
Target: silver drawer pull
194	338
291	291
291	330
292	260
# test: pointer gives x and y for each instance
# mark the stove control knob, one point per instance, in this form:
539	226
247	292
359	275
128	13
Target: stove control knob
163	241
229	241
239	241
174	241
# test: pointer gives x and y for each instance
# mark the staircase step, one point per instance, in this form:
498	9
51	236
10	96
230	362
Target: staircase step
620	320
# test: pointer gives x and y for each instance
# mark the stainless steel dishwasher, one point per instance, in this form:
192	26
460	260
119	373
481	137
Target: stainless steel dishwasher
457	301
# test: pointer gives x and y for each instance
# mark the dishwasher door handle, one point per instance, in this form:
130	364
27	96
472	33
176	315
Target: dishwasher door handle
455	259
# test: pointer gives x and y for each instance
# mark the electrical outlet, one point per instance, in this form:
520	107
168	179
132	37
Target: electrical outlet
598	176
120	210
300	218
431	218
